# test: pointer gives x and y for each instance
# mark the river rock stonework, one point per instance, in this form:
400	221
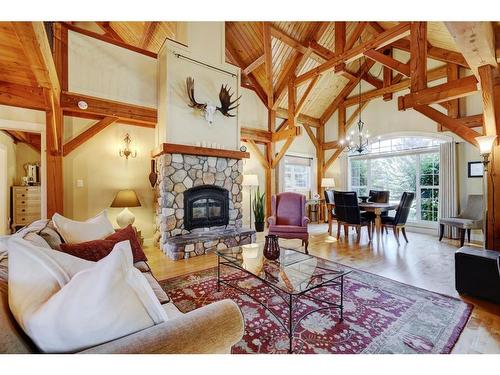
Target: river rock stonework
176	174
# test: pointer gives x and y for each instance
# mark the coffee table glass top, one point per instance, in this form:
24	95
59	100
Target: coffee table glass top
293	272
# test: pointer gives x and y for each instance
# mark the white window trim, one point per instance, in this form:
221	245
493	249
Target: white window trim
281	171
417	223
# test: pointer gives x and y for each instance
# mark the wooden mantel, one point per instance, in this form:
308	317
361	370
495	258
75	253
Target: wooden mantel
172	148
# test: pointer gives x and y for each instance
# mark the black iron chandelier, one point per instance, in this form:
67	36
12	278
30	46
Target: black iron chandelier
357	142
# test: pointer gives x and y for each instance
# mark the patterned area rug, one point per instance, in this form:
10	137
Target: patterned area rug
380	316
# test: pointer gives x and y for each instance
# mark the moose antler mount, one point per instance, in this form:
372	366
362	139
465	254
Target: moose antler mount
209	110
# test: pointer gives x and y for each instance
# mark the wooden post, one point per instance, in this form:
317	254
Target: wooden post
320	160
418	51
270	174
388	79
452	72
340	32
55	197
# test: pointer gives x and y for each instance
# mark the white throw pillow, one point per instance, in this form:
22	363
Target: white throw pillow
67	304
73	231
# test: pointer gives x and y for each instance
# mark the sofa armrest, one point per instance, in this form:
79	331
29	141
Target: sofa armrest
305	221
271	220
214	328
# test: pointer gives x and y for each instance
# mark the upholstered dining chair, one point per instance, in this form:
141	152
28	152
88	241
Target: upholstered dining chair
398	221
289	218
348	214
471	217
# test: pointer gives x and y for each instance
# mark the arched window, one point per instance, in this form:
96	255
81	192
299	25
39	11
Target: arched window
399	163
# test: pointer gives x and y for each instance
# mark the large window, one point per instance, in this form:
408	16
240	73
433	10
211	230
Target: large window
297	175
399	165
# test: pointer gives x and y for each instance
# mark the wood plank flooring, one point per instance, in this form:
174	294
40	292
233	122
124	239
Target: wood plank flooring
424	262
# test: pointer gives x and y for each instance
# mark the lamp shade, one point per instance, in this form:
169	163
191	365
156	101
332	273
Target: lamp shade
126	198
485	143
327	182
250	180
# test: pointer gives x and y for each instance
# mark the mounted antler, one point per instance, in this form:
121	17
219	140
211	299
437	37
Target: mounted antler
225	101
190	92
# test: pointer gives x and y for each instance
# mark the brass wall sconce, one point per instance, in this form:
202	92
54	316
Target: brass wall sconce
126	151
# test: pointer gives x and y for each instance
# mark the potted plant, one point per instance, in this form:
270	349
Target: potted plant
258	210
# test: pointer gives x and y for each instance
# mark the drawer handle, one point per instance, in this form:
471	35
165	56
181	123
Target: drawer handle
23	210
22	202
22	195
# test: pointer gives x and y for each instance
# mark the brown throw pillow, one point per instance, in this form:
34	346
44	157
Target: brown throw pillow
98	249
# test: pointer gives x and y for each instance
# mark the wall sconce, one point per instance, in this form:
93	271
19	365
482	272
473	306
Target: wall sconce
126	151
485	143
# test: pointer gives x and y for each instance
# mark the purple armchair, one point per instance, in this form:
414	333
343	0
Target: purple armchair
288	218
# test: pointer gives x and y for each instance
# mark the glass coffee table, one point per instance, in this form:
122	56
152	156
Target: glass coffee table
292	277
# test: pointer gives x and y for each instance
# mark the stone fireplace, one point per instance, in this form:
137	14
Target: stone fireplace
199	200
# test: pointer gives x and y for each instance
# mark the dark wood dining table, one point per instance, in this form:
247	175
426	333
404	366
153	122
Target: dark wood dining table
376	208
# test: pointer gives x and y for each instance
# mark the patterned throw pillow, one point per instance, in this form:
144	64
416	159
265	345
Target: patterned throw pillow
98	249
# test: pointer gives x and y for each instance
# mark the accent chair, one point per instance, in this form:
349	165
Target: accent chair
471	217
289	218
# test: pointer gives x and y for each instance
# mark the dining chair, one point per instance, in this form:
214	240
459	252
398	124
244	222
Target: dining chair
289	218
377	196
348	214
398	221
471	217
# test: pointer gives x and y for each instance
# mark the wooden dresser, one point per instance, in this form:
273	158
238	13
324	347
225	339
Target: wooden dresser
25	204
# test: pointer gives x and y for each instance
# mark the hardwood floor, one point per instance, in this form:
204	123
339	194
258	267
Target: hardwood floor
424	262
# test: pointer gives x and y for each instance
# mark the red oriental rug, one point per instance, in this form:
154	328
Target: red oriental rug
380	316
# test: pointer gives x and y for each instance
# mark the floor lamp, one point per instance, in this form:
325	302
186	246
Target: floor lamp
250	180
485	144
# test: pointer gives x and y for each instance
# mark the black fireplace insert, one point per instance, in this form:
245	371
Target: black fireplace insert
206	206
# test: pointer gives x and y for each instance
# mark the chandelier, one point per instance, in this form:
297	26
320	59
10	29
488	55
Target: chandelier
357	142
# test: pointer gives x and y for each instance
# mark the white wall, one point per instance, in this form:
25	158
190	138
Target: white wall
7	179
103	173
107	71
177	122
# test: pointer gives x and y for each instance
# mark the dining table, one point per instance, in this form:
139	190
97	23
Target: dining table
376	208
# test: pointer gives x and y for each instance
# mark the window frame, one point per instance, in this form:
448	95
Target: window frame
418	152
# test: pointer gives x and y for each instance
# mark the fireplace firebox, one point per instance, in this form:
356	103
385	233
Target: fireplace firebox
206	206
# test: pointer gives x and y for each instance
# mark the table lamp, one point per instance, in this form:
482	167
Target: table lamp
328	182
250	180
125	199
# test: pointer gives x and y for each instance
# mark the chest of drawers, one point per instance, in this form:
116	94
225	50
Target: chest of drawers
26	205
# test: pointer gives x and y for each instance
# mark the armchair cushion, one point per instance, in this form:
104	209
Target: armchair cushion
462	223
287	229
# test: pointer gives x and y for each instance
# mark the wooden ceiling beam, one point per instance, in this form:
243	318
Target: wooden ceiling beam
282	152
377	83
259	90
387	78
436	53
383	39
321	50
473	121
388	61
22	96
418	60
108	39
451	124
256	135
148	34
340	42
109	31
88	134
262	159
476	41
356	33
286	133
268	62
254	65
432	75
440	93
301	118
312	137
129	113
491	123
302	101
297	62
346	91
